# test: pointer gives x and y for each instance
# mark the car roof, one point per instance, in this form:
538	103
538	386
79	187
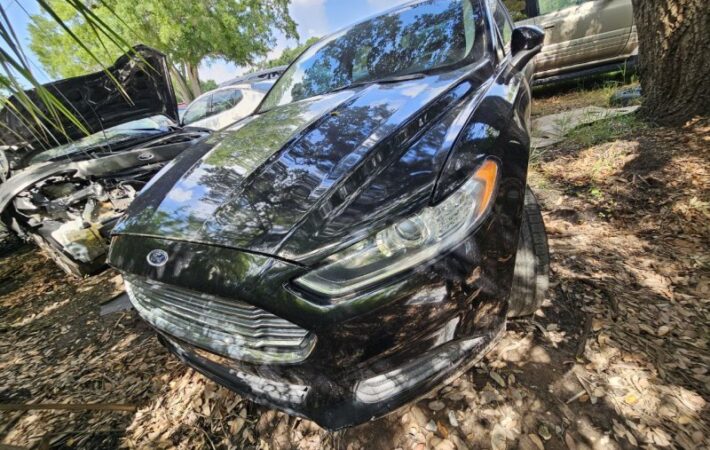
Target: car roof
258	76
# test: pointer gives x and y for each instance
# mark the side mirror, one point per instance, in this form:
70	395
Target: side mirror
525	43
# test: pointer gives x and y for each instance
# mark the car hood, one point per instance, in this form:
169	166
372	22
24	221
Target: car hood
96	101
304	179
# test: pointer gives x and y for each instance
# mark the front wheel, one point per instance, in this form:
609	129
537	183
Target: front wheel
532	261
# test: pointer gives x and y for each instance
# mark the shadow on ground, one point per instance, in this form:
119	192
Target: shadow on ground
616	358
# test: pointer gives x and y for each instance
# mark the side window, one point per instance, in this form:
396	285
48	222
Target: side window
503	22
197	110
225	99
550	6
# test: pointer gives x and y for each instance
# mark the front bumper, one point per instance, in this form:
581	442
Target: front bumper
337	403
373	353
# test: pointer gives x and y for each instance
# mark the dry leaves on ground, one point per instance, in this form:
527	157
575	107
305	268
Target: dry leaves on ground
616	358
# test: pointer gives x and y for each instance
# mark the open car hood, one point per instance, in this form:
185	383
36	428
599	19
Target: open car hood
96	101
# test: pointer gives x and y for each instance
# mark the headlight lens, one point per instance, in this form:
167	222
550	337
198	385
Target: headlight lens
409	242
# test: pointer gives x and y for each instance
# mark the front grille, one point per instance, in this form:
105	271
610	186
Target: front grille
229	328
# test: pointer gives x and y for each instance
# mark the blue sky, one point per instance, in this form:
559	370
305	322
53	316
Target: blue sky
314	18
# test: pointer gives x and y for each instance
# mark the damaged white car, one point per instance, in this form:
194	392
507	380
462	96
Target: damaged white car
64	191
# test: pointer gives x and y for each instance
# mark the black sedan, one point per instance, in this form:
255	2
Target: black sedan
361	238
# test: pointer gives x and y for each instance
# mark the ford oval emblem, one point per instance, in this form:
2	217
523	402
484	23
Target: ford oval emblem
145	156
157	258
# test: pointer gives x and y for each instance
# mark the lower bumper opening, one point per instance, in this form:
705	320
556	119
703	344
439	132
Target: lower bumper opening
341	400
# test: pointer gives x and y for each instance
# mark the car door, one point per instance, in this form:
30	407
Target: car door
581	32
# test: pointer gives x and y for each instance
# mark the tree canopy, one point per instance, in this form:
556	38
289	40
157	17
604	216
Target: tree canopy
288	55
187	31
208	85
516	9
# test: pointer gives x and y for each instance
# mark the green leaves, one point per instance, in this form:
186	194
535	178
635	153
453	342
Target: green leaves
17	74
289	54
74	37
516	9
188	31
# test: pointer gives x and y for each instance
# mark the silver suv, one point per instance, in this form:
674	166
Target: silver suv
581	36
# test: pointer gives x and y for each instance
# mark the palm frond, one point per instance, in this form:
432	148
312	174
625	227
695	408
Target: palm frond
49	10
16	73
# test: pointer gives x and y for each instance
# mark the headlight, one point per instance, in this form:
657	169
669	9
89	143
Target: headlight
409	242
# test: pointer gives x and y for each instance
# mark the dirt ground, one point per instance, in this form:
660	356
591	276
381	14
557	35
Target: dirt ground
617	357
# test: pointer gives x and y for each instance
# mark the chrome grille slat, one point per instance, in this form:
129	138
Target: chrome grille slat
248	333
236	306
251	315
256	343
255	320
230	328
241	322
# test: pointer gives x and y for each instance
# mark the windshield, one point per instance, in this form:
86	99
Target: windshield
413	39
114	136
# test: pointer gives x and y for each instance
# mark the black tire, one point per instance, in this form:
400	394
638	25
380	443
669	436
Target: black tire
532	262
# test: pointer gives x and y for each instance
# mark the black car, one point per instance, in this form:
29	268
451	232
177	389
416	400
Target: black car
64	189
353	244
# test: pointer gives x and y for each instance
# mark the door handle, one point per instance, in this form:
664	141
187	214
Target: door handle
549	26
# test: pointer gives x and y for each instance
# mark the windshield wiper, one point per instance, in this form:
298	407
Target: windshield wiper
392	79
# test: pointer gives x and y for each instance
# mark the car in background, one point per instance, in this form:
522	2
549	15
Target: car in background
182	106
363	236
65	190
253	77
225	105
582	37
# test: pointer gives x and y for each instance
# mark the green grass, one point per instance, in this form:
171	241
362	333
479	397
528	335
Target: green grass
595	90
607	80
537	155
605	130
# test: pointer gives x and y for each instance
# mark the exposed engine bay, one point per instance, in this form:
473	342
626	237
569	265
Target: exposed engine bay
69	208
78	215
64	186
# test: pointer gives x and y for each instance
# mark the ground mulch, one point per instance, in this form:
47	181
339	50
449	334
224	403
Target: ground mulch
617	357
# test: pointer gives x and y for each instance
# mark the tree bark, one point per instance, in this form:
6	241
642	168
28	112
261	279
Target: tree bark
194	79
674	61
181	84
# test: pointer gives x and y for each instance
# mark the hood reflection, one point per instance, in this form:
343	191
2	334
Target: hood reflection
327	162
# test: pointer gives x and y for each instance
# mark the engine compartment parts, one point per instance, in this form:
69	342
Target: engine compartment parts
69	208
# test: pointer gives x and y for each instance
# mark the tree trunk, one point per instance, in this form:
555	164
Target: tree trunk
674	61
194	79
181	84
